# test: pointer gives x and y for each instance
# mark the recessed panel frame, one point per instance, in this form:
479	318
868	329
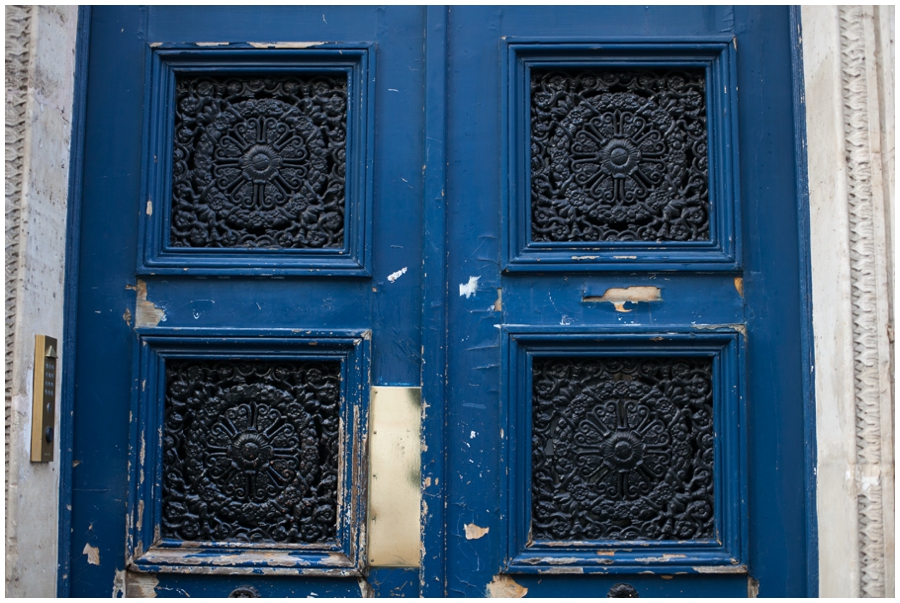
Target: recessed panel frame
717	57
148	551
355	61
724	346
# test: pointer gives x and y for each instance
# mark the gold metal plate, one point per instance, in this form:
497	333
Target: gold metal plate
43	409
394	476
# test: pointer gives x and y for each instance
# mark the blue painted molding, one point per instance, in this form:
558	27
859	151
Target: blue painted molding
807	341
146	551
70	303
717	56
432	568
727	552
164	62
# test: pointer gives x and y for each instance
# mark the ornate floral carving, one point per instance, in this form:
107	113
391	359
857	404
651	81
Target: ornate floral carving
622	449
619	155
259	162
251	451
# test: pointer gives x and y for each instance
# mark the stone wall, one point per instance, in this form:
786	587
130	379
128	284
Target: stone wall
848	55
40	67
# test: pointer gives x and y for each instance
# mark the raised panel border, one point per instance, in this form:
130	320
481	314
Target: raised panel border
718	57
156	256
147	552
727	553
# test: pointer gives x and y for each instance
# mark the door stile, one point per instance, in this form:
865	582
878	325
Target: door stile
432	570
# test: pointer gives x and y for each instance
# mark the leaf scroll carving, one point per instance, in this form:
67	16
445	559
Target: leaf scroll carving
619	155
259	162
250	451
622	449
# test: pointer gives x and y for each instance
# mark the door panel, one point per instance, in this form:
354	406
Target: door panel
593	280
609	356
229	214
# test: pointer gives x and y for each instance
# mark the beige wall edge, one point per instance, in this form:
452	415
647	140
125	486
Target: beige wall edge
848	73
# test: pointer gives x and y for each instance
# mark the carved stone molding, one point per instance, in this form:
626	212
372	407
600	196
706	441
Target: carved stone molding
18	52
869	292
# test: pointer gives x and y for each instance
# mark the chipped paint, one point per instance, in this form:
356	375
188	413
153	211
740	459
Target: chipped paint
93	554
365	589
395	275
210	44
624	257
126	316
585	257
739	285
740	328
285	45
498	303
140	585
140	514
752	587
470	288
149	209
664	558
618	296
118	590
562	570
720	569
147	314
474	532
504	587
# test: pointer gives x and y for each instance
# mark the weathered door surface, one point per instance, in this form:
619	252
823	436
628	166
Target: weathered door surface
574	228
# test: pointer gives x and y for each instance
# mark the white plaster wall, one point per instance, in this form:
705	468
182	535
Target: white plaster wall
32	503
848	124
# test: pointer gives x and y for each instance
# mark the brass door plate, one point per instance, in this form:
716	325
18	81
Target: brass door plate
394	477
43	411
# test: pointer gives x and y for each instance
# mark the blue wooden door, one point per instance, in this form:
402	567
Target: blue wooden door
624	400
575	228
248	190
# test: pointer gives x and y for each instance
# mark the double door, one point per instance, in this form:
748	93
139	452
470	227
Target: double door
575	229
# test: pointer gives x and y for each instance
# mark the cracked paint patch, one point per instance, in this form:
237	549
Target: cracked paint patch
469	289
474	532
504	587
93	554
395	275
618	297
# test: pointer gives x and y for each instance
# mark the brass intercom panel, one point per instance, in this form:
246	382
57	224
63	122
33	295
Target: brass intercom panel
43	410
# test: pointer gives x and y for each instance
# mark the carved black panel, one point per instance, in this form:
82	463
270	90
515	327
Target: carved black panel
251	451
619	155
622	449
259	162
